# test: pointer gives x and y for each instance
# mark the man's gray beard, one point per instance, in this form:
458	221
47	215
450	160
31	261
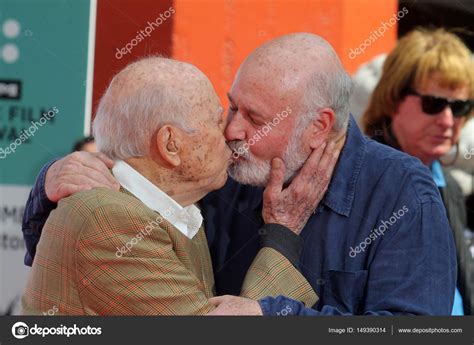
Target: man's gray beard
250	171
255	172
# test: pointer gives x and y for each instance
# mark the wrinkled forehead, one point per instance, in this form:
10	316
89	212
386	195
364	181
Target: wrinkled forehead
278	71
268	85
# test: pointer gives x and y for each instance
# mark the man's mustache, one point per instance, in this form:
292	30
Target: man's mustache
239	148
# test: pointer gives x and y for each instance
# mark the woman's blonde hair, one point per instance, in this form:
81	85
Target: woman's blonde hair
412	63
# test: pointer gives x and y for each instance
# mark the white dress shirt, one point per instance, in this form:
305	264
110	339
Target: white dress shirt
187	219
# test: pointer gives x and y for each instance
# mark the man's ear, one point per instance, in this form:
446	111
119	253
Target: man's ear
321	127
169	144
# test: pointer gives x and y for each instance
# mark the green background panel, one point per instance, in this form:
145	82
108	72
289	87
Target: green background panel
52	66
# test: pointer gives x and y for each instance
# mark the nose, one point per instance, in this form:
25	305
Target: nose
235	129
445	118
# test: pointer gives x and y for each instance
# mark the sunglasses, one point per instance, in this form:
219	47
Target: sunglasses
433	105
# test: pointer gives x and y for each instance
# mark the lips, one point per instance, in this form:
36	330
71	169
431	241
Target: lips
442	137
238	150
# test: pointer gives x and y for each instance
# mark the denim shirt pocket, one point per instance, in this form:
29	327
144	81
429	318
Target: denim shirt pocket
345	290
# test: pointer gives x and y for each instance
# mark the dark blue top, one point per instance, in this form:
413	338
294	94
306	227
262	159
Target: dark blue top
379	243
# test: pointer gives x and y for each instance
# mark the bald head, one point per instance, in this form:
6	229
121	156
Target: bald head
306	66
146	95
294	56
161	75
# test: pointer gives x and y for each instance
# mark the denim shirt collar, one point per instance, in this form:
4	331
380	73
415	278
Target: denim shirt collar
340	194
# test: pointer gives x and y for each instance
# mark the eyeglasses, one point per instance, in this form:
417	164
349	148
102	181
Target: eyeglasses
433	105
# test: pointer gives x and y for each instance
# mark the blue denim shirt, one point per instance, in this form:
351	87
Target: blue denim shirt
379	243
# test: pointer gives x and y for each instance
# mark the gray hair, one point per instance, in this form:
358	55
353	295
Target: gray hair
127	119
328	87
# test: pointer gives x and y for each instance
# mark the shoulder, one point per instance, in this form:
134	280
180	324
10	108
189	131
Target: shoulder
102	207
110	218
399	172
90	200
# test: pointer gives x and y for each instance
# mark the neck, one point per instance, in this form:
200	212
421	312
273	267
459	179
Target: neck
425	159
184	192
338	138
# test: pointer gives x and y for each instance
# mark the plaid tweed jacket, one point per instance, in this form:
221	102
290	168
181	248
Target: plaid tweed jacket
104	252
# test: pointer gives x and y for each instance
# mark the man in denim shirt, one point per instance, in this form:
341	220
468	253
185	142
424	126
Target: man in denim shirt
379	242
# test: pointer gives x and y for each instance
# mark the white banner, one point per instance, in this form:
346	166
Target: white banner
13	274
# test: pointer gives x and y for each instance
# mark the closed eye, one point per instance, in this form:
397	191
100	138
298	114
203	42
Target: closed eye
256	123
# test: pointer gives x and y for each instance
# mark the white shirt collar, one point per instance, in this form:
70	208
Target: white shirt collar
187	220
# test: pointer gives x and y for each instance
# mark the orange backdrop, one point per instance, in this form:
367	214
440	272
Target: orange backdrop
216	35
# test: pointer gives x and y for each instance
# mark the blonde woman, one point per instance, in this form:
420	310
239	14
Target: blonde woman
421	103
